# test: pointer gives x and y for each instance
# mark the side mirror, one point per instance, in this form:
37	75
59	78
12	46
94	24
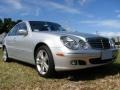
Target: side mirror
22	32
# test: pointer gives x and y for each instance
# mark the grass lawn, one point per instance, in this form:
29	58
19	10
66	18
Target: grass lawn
20	76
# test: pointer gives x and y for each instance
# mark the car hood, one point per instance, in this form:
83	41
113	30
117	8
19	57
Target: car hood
76	34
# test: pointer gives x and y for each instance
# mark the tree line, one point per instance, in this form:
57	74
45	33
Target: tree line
6	24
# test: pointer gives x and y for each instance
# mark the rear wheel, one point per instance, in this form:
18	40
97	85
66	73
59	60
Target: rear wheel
44	61
5	55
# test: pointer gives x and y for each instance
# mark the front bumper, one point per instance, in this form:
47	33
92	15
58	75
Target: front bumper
73	60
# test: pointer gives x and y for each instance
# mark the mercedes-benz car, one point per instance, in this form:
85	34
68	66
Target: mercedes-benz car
52	48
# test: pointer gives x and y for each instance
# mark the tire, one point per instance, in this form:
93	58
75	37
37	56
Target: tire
44	62
5	57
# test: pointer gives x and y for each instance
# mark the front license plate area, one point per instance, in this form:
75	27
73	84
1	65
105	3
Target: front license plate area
106	54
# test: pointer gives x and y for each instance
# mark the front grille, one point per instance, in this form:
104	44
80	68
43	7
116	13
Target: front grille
99	43
99	61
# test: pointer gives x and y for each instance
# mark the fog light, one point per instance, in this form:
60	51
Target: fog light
74	62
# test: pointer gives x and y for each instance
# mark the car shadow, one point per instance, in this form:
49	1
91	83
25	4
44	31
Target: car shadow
90	73
21	63
83	74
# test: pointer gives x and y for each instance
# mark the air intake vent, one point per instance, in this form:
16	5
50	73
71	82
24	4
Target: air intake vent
99	43
99	61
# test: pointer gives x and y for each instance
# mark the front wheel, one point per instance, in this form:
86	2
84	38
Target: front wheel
44	61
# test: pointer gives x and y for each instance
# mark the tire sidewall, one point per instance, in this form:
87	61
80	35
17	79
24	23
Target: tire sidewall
5	50
51	68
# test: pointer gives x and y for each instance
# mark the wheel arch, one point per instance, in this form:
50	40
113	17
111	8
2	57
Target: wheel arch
38	45
51	62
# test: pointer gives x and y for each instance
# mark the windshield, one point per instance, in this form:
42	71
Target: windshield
37	26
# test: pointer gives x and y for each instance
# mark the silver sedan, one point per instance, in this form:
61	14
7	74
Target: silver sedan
51	48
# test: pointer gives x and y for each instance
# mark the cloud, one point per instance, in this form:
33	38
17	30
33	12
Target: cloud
110	23
82	2
25	7
72	2
69	2
109	34
15	3
24	14
89	15
53	5
118	16
27	12
117	11
8	6
37	12
105	23
69	9
56	6
64	8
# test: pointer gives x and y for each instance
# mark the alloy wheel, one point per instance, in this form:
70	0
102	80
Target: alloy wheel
42	62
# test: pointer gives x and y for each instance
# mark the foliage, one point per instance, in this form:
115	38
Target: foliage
6	24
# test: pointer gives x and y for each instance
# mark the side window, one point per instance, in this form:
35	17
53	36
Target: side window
13	31
39	26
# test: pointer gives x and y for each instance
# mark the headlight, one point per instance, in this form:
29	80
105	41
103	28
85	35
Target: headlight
73	44
112	44
83	45
69	42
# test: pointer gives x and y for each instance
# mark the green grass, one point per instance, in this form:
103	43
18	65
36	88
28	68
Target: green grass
20	76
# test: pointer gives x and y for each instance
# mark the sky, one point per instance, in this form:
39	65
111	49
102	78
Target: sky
88	16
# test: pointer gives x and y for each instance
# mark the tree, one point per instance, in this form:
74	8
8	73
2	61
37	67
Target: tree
1	25
6	24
